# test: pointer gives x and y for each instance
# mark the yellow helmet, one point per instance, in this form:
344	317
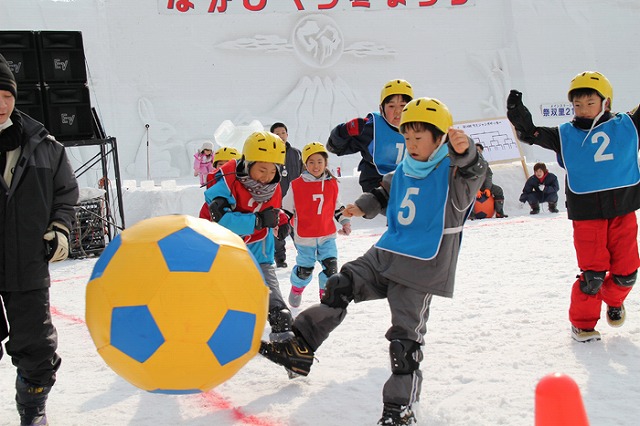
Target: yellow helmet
264	146
427	110
396	87
226	153
312	148
592	80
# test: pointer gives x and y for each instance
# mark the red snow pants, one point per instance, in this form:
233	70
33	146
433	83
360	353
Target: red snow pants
609	245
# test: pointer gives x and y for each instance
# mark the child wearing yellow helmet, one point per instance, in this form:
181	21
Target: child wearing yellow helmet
224	154
599	151
245	197
376	136
426	200
313	199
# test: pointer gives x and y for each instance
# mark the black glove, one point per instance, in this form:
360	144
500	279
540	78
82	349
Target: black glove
267	218
283	231
514	100
520	117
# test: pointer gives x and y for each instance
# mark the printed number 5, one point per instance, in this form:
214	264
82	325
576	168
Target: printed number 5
600	155
406	219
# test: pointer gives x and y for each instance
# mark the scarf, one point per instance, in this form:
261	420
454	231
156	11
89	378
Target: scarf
422	169
260	192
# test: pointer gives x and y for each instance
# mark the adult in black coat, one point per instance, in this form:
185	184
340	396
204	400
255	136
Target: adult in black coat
542	187
37	198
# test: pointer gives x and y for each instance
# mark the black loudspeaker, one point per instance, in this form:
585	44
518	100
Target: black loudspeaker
68	108
30	101
21	52
62	57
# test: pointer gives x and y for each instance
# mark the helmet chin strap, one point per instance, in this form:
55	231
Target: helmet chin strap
595	120
386	119
442	141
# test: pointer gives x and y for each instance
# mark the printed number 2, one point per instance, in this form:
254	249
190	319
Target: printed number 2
320	199
409	205
600	155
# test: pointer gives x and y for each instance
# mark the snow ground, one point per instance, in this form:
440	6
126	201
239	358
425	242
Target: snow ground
486	349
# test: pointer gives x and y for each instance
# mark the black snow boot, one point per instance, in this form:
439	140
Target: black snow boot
499	205
280	320
553	208
535	208
31	400
395	414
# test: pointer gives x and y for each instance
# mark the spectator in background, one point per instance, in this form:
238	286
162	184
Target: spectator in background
496	191
542	187
291	170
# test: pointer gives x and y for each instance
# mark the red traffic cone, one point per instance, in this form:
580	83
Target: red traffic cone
558	402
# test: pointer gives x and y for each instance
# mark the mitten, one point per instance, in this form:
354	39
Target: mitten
514	99
479	195
283	231
520	116
57	242
267	218
487	192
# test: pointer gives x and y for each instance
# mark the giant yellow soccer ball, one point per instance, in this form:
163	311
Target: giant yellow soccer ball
176	304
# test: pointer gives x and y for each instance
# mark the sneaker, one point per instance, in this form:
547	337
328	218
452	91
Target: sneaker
295	296
294	354
580	335
281	264
395	414
616	316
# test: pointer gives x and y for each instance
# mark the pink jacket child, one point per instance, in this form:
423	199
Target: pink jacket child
203	163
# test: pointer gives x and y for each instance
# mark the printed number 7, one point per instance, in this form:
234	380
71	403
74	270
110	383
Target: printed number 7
600	155
400	148
409	206
320	198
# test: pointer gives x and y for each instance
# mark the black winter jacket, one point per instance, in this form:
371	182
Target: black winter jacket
292	167
597	205
43	190
532	186
341	143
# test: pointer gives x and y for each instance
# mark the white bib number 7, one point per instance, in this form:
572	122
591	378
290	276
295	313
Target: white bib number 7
407	212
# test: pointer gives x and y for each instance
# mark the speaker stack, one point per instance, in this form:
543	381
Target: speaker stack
50	70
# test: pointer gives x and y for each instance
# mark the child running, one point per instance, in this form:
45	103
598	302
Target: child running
426	201
599	151
313	199
376	136
246	199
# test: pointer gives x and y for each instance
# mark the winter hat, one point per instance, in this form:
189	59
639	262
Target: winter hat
206	145
7	79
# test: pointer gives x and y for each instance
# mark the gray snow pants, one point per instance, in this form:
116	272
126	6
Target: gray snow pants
409	315
270	278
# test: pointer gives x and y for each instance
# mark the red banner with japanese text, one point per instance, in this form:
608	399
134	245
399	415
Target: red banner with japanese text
220	7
